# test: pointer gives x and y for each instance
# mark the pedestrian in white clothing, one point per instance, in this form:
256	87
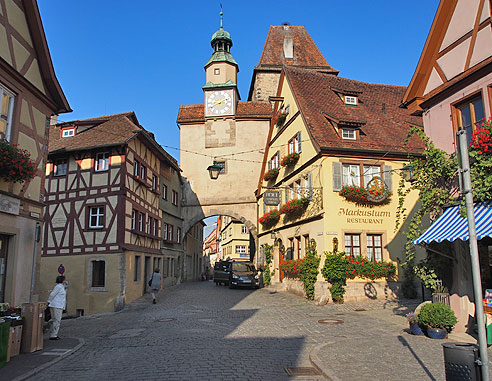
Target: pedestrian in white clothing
155	284
57	301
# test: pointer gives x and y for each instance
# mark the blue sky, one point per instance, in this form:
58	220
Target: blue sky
114	56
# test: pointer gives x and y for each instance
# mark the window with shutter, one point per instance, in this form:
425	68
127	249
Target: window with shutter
388	177
299	142
337	177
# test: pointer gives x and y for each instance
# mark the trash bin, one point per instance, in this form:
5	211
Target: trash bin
4	342
460	361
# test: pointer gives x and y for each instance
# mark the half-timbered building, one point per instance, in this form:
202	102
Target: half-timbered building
29	95
452	89
103	217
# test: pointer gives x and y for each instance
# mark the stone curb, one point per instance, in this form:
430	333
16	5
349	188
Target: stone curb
318	364
52	362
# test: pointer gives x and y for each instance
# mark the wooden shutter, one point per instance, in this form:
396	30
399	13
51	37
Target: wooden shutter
310	184
278	159
269	164
299	144
337	177
388	177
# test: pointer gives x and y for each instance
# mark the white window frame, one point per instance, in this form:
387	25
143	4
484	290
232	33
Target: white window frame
136	168
155	183
175	197
149	225
102	157
10	110
347	177
143	172
141	217
164	231
68	132
98	213
350	100
134	219
240	249
178	235
170	233
349	134
369	172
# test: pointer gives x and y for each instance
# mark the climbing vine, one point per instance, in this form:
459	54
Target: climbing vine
267	277
434	177
309	272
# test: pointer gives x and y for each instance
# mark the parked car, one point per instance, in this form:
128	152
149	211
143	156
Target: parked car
243	274
222	270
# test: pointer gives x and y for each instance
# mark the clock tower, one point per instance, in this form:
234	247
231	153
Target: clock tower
221	94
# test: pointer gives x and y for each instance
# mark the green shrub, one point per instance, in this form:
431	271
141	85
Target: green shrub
335	272
437	315
309	272
267	277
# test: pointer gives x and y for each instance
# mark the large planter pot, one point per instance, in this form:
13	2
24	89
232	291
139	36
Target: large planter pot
415	329
437	333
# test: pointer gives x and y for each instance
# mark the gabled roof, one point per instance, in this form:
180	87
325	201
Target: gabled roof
44	58
457	46
306	53
104	131
383	124
196	113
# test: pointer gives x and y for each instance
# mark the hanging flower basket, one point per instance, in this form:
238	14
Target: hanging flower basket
361	195
271	174
294	207
290	160
270	218
15	163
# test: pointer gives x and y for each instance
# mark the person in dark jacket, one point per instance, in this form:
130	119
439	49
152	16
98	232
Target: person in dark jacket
155	284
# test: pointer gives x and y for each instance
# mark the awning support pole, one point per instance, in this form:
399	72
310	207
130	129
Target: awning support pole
464	163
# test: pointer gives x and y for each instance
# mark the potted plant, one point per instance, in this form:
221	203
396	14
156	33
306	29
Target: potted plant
271	174
290	160
438	318
413	320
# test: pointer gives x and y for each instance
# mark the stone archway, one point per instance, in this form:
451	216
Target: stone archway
195	214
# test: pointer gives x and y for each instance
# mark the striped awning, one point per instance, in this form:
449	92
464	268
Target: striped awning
451	226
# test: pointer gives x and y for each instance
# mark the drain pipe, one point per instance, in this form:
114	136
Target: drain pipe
37	236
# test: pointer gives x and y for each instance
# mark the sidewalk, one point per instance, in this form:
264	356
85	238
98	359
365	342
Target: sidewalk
384	350
26	365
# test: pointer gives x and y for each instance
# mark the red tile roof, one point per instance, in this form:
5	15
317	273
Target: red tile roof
383	124
306	53
246	110
102	131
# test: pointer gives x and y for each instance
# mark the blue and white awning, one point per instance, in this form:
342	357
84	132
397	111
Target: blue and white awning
451	226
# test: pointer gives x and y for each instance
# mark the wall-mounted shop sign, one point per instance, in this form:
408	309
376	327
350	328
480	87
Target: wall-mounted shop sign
361	216
271	198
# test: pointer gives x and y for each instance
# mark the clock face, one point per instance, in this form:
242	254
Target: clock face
219	102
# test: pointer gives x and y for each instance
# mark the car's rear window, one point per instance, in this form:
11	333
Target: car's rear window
241	267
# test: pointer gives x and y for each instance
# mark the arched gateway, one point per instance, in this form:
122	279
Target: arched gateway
225	132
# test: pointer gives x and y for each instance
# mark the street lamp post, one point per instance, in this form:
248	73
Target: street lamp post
464	164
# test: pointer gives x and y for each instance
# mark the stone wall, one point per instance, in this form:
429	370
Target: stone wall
355	291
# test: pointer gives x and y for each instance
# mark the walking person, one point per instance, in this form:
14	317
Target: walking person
57	301
155	284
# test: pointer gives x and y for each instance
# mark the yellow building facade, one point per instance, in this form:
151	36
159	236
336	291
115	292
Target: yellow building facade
339	133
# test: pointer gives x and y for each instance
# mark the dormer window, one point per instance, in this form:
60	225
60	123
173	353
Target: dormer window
350	100
68	132
348	133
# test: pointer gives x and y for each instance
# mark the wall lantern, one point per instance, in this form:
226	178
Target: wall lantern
407	173
214	170
335	244
273	235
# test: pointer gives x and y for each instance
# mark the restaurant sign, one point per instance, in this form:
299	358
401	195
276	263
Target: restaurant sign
271	198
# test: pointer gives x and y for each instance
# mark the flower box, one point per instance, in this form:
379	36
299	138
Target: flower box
270	218
282	116
294	207
271	174
361	195
15	163
290	160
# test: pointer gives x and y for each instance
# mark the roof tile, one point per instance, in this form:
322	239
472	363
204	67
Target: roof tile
195	113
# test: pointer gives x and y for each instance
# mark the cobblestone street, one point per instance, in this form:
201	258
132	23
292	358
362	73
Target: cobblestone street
200	331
